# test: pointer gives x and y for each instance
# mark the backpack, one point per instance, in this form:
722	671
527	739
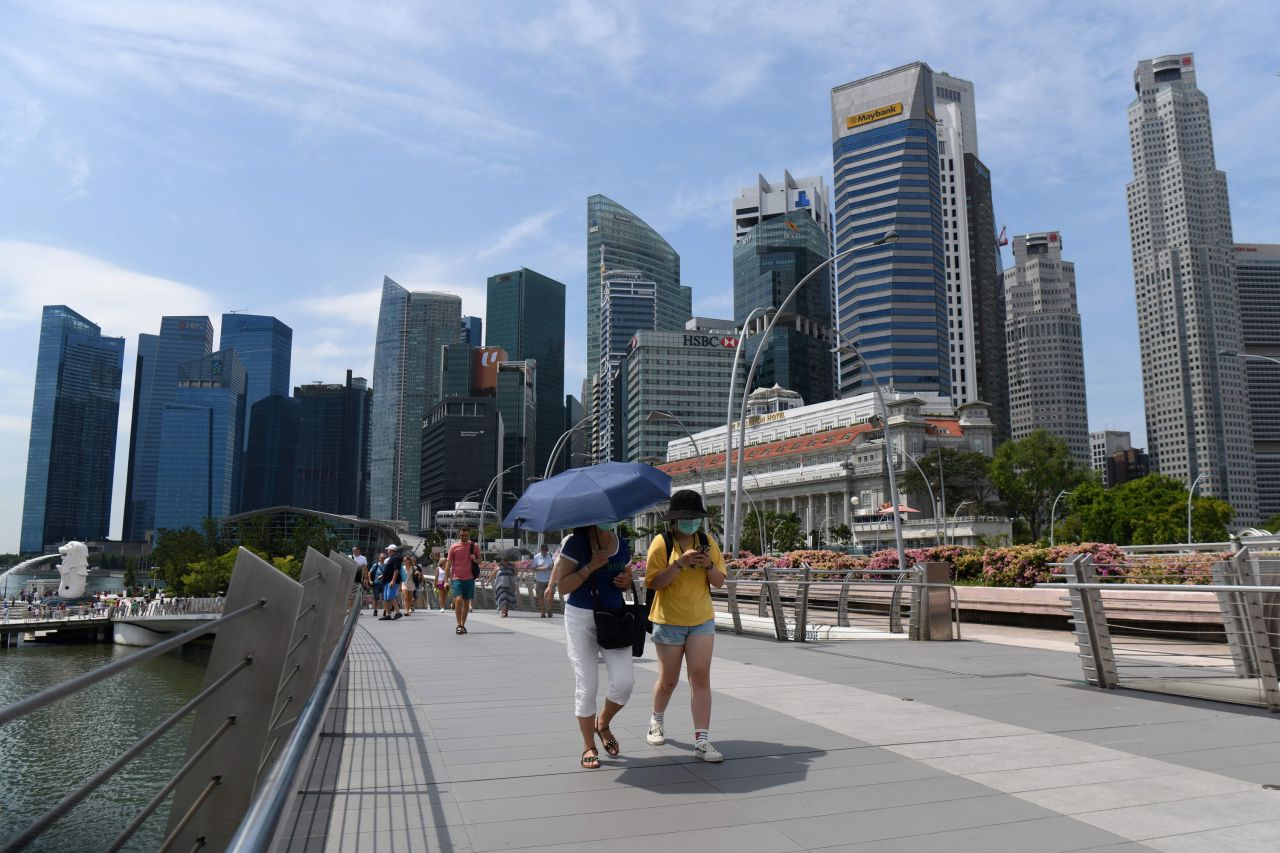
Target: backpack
669	542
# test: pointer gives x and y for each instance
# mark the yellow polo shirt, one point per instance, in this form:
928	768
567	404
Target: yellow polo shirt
686	600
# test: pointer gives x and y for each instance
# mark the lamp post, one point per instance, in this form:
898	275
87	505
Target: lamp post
559	446
764	544
1053	513
1251	355
727	510
933	501
954	516
889	237
484	501
893	479
662	415
1190	494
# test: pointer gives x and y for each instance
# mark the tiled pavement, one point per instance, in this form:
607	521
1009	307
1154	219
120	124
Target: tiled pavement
441	742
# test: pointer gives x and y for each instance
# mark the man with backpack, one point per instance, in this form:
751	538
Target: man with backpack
392	578
462	567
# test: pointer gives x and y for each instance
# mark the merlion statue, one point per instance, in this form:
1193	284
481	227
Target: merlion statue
74	570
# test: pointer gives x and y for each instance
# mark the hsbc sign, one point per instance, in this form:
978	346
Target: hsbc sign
718	341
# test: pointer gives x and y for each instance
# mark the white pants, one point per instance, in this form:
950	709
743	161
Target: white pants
580	630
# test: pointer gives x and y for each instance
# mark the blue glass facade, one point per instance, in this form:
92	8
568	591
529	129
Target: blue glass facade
181	339
72	450
331	467
265	348
890	300
272	427
525	312
471	332
201	436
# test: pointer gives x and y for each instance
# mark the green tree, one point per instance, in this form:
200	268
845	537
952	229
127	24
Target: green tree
842	533
1147	511
965	475
1272	524
786	535
311	532
1031	472
175	550
255	533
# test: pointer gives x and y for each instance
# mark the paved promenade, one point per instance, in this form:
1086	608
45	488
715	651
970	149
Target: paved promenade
441	742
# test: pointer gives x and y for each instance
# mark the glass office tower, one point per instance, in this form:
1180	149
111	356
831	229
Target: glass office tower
525	314
891	300
332	457
72	450
271	449
181	339
265	347
413	327
768	260
201	436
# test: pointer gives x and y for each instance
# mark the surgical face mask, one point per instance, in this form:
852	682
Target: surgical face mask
608	526
689	526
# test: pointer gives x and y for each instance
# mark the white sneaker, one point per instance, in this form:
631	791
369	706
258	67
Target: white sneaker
707	752
655	736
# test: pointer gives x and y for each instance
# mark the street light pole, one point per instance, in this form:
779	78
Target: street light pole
730	547
893	480
954	516
559	446
1190	494
1053	513
485	501
888	238
661	415
933	501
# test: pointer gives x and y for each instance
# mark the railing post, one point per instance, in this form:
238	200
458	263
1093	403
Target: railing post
347	587
802	607
1089	621
931	602
775	603
1262	617
842	604
733	600
1235	572
210	800
324	595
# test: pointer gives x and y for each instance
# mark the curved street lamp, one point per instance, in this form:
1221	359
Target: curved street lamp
933	501
889	238
485	501
663	415
1053	512
727	511
954	516
1190	494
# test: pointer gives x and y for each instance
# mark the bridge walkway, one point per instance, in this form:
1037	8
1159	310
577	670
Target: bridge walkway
442	742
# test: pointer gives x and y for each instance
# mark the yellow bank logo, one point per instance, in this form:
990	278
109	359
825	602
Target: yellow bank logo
873	115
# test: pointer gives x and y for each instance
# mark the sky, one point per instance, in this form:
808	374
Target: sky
281	157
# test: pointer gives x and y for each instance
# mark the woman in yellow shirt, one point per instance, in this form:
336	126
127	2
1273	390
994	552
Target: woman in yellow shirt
682	566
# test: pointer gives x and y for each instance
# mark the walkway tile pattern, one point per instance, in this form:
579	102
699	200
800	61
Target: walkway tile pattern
441	742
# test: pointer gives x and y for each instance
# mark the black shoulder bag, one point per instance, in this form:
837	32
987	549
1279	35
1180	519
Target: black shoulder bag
618	629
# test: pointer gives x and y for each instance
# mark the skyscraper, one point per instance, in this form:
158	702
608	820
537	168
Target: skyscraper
412	329
265	348
1197	404
891	300
629	303
181	339
471	331
617	239
525	313
331	468
769	258
1046	355
765	201
518	405
975	285
1258	278
201	441
72	450
1102	446
573	452
270	454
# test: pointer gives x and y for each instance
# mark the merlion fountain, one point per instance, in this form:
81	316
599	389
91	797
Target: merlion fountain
73	572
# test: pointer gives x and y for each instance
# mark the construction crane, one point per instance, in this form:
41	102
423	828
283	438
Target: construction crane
1002	240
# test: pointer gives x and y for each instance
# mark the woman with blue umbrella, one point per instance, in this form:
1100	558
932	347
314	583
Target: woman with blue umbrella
591	573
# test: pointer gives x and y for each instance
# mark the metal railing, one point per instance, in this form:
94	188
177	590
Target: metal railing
262	687
879	601
1232	658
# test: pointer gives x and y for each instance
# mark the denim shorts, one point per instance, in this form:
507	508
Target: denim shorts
676	635
464	589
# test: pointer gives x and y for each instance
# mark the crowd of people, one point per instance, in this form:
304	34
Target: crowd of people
591	572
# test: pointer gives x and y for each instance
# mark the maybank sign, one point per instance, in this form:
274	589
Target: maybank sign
874	115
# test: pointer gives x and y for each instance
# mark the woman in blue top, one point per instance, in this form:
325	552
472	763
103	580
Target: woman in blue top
593	564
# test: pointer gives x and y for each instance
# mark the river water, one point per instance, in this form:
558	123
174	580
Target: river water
47	753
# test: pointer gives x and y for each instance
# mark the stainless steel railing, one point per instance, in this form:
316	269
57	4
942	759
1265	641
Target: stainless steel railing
263	680
1227	648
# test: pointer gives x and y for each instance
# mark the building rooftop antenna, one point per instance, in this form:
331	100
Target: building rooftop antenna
237	310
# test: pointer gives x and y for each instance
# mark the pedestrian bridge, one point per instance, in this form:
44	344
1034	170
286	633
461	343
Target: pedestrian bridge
320	728
444	742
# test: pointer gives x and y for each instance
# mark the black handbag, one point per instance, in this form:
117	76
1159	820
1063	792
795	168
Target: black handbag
617	629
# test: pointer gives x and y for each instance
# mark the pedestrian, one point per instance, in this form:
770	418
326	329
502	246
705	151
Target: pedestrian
362	574
392	581
542	565
504	582
420	585
408	589
462	567
442	582
682	565
592	567
375	577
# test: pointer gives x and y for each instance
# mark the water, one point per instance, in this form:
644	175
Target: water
47	753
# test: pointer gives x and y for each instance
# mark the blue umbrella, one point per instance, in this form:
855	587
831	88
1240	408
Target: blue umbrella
610	491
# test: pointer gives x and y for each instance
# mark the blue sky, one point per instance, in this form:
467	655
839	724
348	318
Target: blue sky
281	157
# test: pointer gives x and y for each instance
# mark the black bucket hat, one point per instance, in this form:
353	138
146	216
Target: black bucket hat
685	503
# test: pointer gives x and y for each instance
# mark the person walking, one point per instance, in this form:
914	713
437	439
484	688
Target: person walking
362	575
409	588
592	567
375	579
392	581
442	582
681	567
504	582
542	566
461	569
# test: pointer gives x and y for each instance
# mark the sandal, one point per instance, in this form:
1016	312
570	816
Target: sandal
460	630
590	759
609	742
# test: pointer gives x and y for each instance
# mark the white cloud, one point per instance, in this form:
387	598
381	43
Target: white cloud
19	125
